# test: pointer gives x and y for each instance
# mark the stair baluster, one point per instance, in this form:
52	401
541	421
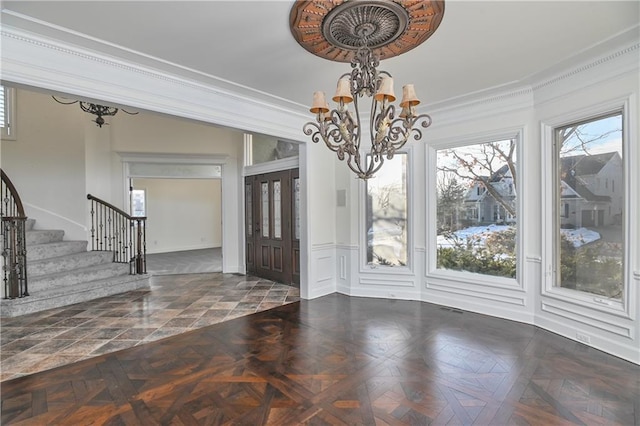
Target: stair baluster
114	230
14	248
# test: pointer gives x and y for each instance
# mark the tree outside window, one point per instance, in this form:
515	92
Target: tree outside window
589	235
476	208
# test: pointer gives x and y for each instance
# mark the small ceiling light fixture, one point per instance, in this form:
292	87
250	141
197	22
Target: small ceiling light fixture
96	109
363	32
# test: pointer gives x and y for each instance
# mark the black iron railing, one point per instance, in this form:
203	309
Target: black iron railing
14	241
114	230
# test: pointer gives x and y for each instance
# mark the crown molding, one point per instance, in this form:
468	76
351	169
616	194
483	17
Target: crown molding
36	61
582	71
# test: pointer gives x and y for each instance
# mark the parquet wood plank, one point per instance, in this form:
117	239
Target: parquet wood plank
339	360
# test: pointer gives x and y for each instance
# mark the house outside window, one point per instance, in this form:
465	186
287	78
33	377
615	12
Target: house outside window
476	209
589	244
386	214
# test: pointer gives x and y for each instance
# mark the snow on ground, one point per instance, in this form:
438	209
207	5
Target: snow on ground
580	236
478	235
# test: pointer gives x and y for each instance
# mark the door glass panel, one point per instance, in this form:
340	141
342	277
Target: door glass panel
265	209
296	207
277	210
249	208
589	232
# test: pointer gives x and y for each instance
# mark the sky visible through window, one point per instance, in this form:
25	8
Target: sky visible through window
601	136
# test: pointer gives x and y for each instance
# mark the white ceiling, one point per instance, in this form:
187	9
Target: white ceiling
479	45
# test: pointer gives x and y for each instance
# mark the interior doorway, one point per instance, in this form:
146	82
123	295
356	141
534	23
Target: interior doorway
272	226
182	214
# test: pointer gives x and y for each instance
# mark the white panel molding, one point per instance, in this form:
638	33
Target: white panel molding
346	267
625	349
170	158
474	280
342	267
322	280
272	166
586	318
477	292
347	247
384	293
37	61
511	308
387	282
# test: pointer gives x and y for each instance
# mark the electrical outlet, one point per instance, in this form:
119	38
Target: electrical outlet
583	337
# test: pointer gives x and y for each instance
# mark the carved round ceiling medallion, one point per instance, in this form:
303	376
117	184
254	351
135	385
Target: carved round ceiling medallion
334	29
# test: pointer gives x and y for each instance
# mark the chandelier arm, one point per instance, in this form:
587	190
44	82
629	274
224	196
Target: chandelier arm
63	103
357	134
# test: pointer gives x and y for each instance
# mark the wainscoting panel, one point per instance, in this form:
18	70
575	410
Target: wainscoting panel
323	270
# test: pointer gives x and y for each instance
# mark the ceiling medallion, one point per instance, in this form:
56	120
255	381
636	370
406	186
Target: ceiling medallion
332	29
364	32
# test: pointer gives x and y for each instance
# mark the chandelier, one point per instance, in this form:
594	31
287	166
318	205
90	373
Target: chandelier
363	32
96	109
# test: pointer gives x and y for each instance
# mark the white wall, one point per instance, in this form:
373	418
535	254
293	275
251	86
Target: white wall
46	162
183	214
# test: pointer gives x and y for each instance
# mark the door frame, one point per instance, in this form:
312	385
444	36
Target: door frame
232	232
300	163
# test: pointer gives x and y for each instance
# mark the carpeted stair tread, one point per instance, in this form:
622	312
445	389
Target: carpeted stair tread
43	236
76	276
57	249
67	262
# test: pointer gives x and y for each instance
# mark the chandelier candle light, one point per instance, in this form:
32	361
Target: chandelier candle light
364	31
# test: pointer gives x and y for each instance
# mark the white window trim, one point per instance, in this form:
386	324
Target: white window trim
408	269
9	131
624	308
431	270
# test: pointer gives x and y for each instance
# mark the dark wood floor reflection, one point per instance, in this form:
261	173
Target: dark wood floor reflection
340	361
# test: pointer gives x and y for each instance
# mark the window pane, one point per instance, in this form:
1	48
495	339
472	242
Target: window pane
266	148
138	203
590	202
476	208
386	213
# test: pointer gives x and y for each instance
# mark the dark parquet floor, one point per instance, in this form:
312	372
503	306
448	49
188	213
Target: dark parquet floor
338	360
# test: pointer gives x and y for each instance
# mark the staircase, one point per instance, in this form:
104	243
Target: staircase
62	273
